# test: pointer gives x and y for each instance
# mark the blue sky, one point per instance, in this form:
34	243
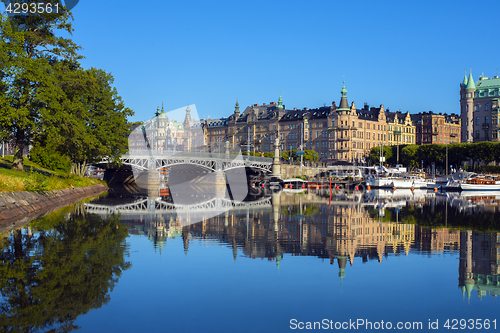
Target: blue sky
405	55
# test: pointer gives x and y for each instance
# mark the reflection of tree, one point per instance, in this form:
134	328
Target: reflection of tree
435	217
295	210
48	279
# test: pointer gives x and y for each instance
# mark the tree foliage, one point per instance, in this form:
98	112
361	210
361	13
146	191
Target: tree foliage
309	155
30	48
46	98
412	155
374	156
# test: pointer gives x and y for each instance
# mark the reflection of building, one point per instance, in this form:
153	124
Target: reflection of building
479	263
437	239
306	225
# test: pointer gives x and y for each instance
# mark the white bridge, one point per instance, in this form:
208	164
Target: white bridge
159	159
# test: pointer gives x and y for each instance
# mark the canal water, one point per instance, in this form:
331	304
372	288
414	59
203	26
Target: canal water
280	262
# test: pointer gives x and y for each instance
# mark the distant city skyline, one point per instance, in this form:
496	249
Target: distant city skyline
407	56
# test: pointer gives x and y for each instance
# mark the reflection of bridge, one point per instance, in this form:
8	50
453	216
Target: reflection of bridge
158	159
153	207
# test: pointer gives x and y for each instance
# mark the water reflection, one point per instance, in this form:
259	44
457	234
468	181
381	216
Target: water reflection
337	226
58	268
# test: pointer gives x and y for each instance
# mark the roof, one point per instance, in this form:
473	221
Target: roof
487	83
470	82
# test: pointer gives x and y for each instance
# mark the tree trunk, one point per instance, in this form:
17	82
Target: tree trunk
18	150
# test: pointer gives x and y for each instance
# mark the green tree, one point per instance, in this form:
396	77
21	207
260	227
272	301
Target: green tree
485	151
30	49
375	154
311	156
92	114
432	153
457	153
409	156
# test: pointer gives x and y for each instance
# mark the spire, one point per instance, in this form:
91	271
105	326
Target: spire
465	79
187	119
237	108
280	103
343	98
157	113
162	110
470	82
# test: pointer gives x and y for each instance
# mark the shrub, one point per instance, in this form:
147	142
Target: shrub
50	159
35	182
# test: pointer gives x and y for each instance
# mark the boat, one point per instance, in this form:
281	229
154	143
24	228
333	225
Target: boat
316	185
295	185
396	181
481	183
475	182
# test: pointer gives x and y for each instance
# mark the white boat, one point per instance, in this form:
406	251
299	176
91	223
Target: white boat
295	185
481	183
474	182
397	181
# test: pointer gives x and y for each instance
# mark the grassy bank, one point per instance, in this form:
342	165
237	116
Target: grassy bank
36	179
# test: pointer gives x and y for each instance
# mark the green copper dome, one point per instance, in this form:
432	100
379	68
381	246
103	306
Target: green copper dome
343	99
280	103
343	92
470	82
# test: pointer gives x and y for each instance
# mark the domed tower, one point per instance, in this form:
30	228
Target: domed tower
467	90
280	103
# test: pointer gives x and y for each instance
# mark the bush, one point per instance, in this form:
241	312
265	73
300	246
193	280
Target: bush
50	159
35	182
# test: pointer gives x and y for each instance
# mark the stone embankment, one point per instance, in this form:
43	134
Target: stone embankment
14	205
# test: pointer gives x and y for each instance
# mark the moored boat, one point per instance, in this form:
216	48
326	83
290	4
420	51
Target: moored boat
396	181
475	183
295	185
481	183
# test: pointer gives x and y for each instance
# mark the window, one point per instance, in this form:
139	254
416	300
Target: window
486	119
477	120
486	107
477	134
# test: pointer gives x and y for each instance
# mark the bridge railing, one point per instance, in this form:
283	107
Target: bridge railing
135	153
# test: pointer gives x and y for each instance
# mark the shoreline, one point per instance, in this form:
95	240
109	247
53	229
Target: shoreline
16	205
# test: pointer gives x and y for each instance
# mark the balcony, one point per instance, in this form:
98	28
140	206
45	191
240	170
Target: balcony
397	132
453	135
343	139
343	149
486	125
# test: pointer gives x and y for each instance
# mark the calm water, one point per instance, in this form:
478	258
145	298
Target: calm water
280	262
